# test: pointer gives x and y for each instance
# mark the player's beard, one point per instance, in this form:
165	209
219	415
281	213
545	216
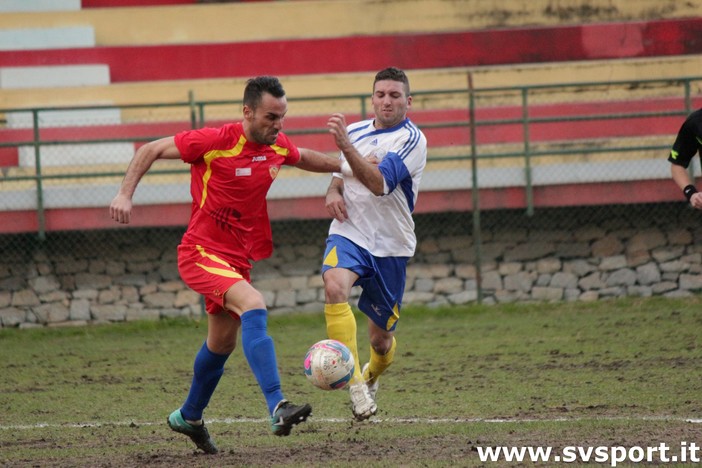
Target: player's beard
265	137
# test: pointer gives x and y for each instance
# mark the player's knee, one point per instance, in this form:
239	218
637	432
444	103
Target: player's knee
381	344
225	348
335	291
222	343
255	300
240	304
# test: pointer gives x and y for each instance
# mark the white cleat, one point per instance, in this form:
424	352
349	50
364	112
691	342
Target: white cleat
362	405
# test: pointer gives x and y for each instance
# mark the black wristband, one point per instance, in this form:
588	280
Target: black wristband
688	191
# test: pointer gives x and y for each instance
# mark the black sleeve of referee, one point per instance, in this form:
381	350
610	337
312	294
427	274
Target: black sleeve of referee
686	143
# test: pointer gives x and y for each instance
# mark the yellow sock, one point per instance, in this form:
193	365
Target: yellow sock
341	326
379	362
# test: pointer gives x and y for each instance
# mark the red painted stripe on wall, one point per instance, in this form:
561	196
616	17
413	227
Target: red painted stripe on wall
414	51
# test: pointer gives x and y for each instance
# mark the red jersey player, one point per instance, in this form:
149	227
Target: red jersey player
232	168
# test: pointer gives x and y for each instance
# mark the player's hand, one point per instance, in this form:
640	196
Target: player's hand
337	127
376	156
696	200
373	159
121	209
336	207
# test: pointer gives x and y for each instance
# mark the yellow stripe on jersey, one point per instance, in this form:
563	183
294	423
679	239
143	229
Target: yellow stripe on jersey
214	258
280	150
228	271
220	271
214	154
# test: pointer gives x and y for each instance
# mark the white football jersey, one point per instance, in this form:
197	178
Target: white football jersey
383	224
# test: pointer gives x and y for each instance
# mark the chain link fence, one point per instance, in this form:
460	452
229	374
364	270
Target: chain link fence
529	179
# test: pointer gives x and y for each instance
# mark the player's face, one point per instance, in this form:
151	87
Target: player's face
266	120
390	103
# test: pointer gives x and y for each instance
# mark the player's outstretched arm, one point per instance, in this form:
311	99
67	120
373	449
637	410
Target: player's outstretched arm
121	206
314	161
367	172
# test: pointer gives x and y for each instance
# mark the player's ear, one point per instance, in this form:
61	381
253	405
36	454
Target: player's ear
248	112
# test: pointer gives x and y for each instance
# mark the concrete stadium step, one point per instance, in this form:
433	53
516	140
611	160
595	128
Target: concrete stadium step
39	6
63	155
128	26
54	76
58	174
47	38
335	85
64	118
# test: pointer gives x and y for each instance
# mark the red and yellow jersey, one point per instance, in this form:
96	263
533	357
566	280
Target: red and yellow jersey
230	178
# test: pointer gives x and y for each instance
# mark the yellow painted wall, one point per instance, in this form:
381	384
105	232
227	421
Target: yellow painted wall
240	22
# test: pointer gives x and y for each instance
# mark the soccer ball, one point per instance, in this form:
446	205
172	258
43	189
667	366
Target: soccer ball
329	365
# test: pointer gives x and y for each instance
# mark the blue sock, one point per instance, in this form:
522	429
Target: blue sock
207	370
260	353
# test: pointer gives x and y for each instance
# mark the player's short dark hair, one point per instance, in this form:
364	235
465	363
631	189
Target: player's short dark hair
394	74
255	87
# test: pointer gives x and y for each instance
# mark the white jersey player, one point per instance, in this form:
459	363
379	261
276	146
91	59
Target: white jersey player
372	238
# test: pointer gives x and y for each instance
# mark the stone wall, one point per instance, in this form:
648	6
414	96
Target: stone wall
568	254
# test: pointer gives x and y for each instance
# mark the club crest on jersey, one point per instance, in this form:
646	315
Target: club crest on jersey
273	171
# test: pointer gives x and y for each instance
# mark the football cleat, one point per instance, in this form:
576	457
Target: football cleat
286	415
197	434
362	405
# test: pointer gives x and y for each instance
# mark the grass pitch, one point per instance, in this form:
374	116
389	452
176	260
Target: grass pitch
610	373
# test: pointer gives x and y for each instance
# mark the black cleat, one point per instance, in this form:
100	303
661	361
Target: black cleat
197	434
287	415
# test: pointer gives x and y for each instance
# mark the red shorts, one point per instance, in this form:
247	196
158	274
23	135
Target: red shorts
209	275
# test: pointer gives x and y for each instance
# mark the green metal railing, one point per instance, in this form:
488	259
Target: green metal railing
525	99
